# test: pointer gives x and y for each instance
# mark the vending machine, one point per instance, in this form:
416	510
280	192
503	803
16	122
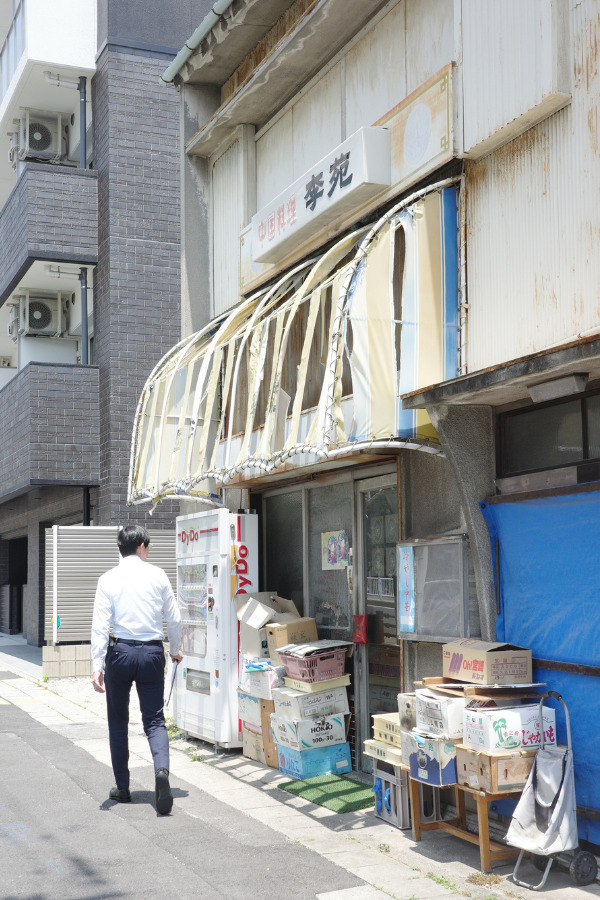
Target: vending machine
217	557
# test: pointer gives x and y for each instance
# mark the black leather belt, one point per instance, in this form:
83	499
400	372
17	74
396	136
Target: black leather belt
138	643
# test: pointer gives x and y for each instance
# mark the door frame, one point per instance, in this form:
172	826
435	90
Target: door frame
361	662
362	478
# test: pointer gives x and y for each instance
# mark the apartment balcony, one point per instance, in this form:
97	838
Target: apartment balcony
52	428
45	48
51	214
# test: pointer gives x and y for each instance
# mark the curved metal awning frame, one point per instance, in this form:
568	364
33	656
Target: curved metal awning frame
179	449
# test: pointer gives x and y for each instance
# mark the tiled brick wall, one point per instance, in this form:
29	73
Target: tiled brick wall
28	515
52	213
137	282
55	427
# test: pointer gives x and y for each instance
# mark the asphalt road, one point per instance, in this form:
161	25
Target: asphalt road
62	839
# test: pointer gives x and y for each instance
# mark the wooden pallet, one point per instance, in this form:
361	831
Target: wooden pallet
480	692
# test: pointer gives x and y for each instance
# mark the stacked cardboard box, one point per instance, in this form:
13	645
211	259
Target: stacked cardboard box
258	677
451	735
429	749
499	738
310	720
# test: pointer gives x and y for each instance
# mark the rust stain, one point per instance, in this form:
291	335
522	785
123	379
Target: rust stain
537	292
476	173
524	144
585	60
528	153
593	128
288	21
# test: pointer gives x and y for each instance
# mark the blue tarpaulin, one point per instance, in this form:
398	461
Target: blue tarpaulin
549	584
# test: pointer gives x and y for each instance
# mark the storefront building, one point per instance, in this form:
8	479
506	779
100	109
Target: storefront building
533	380
325	194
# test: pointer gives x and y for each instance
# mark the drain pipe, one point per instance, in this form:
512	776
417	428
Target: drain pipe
86	506
84	343
196	39
84	317
82	125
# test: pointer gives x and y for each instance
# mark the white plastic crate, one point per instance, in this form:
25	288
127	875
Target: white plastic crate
399	799
392	803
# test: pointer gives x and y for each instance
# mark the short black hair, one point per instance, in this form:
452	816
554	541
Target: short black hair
131	537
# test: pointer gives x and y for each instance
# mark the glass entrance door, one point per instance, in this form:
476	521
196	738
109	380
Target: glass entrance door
377	597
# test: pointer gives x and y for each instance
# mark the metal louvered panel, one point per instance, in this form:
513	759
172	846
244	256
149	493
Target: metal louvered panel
76	556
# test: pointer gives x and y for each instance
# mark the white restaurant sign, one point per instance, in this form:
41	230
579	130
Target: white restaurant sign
351	174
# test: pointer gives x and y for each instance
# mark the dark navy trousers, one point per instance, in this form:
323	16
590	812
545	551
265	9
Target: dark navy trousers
144	664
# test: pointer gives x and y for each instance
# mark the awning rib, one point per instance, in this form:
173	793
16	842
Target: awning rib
185	441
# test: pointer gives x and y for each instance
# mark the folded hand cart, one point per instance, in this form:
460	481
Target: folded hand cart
544	822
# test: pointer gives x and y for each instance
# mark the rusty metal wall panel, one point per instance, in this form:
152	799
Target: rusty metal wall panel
227	204
533	221
514	68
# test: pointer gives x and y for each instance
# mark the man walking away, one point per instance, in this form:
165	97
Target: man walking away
131	601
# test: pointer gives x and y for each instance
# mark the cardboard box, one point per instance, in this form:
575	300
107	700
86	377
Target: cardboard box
257	741
302	734
406	746
499	730
252	745
432	760
382	697
302	764
254	612
439	715
316	687
260	684
483	662
383	751
384	662
249	709
386	728
407	709
493	772
269	745
298	631
290	704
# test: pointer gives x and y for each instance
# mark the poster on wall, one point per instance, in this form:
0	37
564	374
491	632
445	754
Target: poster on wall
335	550
406	589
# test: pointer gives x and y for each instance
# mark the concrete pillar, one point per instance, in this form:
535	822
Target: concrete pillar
199	103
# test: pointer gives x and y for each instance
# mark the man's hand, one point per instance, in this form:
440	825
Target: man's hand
177	659
98	682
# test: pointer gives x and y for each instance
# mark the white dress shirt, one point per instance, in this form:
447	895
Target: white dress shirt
131	601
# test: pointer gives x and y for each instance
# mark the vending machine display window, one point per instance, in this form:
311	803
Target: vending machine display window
193	606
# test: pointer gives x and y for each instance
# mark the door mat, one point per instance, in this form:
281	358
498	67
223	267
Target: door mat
335	792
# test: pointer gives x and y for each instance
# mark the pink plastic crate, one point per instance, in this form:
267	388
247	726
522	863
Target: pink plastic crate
318	667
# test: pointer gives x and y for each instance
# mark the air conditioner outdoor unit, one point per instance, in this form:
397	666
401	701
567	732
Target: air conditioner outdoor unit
38	136
41	314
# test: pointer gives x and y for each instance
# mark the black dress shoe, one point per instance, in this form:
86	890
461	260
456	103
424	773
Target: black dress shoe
123	796
164	797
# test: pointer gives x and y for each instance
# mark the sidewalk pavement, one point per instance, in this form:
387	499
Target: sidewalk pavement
384	857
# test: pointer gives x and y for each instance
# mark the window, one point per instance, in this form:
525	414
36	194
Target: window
439	586
562	433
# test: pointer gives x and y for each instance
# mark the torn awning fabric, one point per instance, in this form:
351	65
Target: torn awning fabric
311	368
